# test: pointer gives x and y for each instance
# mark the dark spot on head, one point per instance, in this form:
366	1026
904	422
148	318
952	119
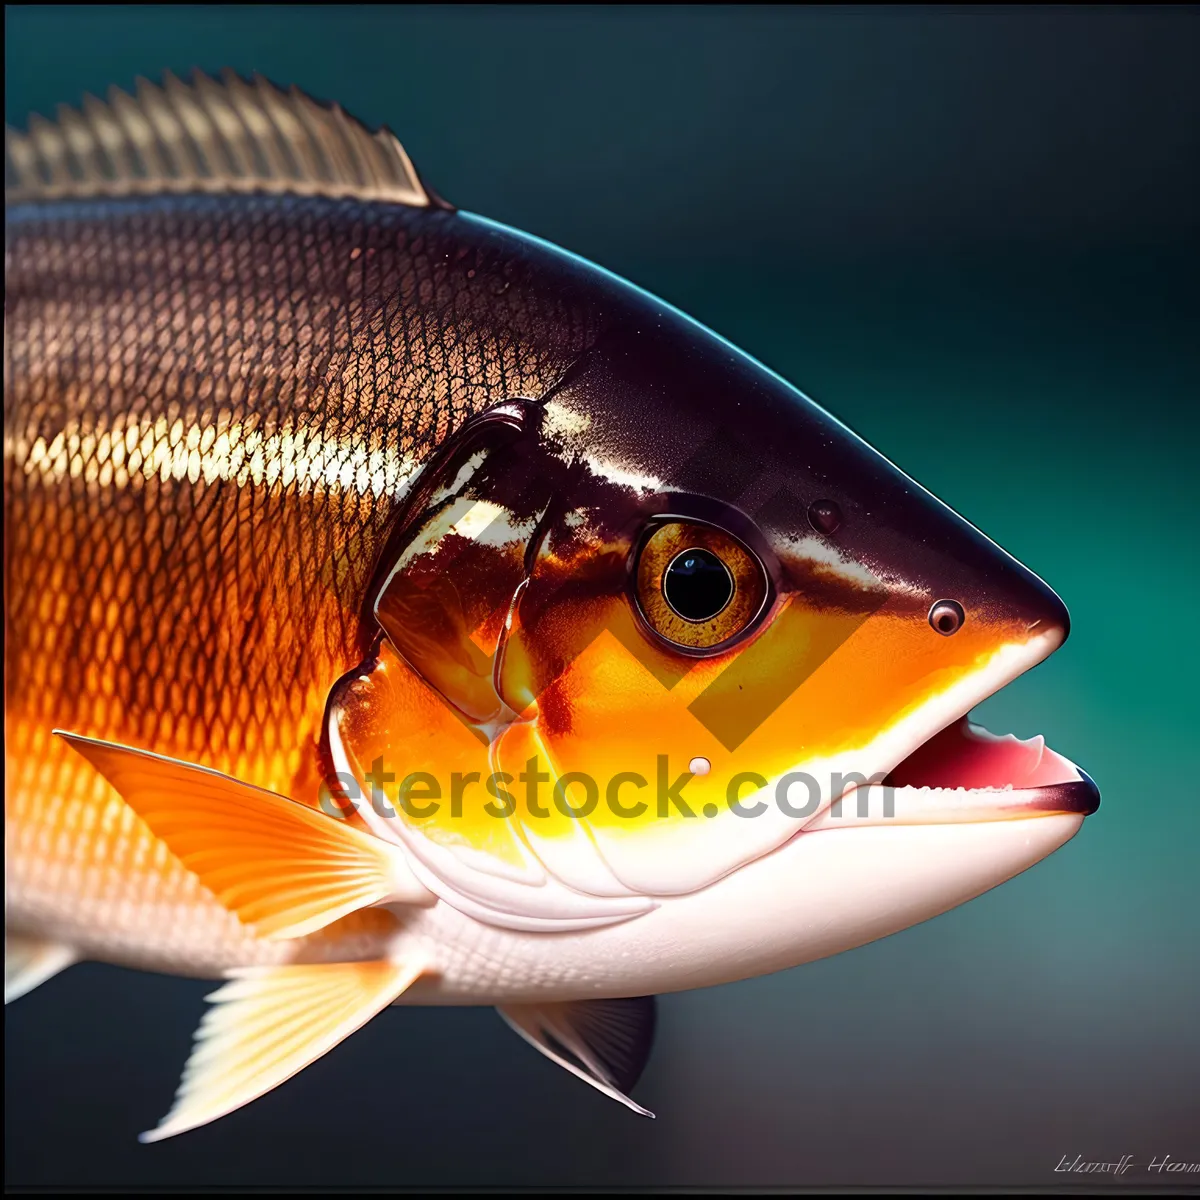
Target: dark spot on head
947	617
824	516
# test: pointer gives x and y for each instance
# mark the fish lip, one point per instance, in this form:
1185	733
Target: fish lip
1076	796
912	805
1081	797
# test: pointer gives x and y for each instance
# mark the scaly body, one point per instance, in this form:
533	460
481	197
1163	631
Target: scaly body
200	471
322	498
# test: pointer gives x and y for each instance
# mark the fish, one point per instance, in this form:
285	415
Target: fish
400	609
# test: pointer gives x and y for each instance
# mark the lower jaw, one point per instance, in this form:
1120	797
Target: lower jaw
832	893
851	889
884	805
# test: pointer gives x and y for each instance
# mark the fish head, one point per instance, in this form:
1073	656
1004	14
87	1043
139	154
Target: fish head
711	623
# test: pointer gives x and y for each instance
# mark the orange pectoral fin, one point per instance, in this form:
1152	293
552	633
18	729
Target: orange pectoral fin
280	866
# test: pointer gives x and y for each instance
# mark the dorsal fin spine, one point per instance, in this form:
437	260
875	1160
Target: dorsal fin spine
232	136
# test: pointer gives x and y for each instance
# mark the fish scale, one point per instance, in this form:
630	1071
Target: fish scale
158	352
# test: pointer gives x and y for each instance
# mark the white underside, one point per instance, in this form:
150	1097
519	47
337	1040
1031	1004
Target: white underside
819	894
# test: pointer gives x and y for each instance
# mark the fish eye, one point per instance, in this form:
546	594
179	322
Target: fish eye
698	586
947	617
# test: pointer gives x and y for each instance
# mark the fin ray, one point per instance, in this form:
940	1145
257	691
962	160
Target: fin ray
269	1023
603	1042
228	136
278	865
29	962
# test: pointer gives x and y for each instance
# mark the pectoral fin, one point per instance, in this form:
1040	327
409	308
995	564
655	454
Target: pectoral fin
605	1042
31	961
281	866
268	1023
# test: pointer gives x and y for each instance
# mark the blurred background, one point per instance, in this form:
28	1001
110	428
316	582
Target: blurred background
970	233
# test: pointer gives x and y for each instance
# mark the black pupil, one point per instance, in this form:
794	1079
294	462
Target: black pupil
697	585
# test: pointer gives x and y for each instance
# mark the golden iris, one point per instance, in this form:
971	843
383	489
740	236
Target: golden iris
698	586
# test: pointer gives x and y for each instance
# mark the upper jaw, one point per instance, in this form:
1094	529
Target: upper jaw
966	774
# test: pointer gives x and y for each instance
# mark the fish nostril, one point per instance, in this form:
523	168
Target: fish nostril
947	617
825	516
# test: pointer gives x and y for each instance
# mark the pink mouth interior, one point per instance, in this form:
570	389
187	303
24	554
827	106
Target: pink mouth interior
967	756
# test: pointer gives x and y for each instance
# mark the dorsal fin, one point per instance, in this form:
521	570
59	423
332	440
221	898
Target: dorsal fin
235	135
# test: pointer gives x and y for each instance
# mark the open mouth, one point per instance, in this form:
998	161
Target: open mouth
965	773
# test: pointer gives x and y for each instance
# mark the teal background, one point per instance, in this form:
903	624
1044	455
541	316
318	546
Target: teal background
972	235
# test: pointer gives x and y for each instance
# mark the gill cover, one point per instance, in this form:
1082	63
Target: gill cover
427	726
